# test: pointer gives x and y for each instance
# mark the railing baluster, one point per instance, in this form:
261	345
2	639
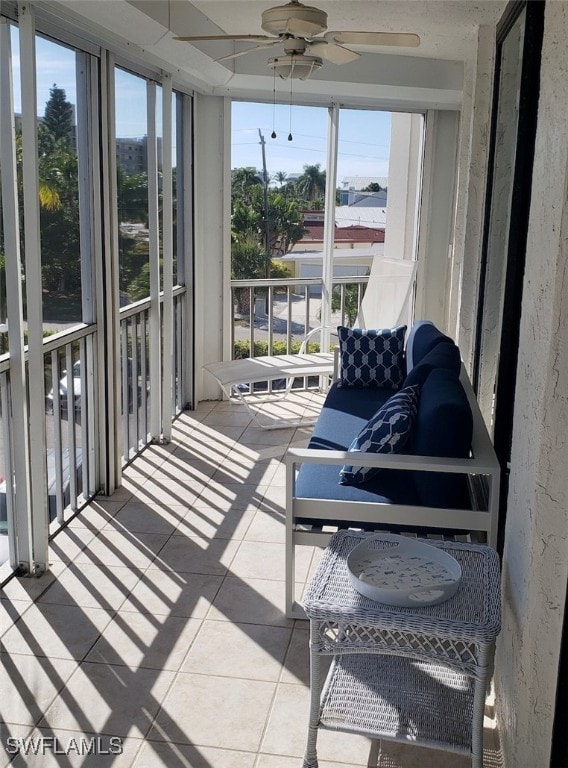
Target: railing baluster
71	436
57	435
8	463
289	320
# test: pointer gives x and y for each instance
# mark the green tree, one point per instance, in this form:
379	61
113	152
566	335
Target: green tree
58	115
351	301
311	184
373	187
280	177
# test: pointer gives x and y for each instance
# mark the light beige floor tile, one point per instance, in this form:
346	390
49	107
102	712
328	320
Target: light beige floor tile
29	685
66	545
91	586
156	754
266	560
109	700
251	651
256	436
297	662
140	517
233	470
256	601
209	523
74	748
122	549
96	514
55	631
226	497
227	418
29	588
144	640
11	736
167	491
10	611
200	454
184	554
287	731
267	526
275	496
276	761
192	468
231	712
169	593
391	755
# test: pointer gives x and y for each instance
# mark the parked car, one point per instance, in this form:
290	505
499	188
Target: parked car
76	378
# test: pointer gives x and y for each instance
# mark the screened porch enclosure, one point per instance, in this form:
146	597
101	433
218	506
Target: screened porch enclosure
96	244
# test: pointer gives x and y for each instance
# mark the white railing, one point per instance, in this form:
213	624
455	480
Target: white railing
273	316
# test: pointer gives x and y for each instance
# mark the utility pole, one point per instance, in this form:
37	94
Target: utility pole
266	223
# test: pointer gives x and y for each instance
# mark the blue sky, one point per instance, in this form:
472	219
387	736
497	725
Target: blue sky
364	135
364	139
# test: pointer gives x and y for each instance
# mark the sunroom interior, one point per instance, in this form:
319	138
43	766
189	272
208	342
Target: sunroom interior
482	206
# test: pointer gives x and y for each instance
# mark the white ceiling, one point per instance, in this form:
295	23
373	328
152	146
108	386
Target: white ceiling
430	75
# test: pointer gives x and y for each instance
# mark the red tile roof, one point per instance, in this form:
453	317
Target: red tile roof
353	234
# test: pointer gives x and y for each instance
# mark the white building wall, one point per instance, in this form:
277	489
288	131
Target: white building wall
405	163
535	564
212	235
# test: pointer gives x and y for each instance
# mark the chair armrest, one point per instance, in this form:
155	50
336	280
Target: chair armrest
388	461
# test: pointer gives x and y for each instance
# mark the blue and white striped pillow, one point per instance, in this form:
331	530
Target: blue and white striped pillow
386	432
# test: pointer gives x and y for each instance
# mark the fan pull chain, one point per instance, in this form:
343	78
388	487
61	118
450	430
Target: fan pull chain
290	134
273	134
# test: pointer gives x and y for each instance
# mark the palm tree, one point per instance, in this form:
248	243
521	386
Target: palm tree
311	183
280	177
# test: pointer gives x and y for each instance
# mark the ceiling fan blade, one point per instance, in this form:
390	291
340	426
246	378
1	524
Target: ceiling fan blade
249	50
202	38
402	39
300	27
333	52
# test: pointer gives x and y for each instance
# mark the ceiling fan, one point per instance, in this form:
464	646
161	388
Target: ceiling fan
298	28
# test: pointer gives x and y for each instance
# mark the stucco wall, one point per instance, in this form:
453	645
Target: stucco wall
535	564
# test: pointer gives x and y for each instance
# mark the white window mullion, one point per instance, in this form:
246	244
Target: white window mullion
23	554
167	262
36	385
154	256
329	225
106	279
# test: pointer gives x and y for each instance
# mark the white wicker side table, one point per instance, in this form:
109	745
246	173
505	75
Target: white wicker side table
417	675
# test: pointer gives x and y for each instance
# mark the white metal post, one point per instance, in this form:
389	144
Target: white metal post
154	256
23	555
329	224
167	261
107	287
36	386
185	246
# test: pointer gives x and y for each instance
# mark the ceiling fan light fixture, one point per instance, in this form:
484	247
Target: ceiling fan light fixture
294	18
295	66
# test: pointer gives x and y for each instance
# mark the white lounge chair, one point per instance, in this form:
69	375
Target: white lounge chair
386	303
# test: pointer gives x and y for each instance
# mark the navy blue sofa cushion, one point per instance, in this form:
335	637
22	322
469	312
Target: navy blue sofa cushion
445	354
346	411
443	427
343	416
425	338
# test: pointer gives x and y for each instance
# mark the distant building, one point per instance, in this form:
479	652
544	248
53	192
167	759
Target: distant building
351	190
132	154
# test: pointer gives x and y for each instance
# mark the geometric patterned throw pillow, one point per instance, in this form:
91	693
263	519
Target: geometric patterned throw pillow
386	432
371	359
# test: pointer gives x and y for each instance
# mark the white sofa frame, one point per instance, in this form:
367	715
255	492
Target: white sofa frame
480	522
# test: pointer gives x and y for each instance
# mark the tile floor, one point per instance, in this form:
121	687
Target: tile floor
158	637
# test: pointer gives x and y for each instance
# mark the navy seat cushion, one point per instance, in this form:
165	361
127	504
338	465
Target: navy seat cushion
425	338
345	413
390	486
343	416
443	427
445	354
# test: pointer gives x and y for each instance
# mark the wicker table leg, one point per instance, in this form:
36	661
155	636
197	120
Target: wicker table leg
311	756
